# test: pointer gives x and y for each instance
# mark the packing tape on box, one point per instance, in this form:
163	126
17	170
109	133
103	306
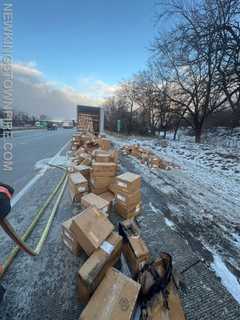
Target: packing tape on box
122	184
107	247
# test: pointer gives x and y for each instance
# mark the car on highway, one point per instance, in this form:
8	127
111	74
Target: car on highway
51	126
67	124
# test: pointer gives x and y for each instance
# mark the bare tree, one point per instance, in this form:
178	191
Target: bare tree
187	59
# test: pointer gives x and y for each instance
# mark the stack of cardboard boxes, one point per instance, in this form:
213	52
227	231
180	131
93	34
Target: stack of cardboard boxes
77	185
128	195
69	239
102	175
110	294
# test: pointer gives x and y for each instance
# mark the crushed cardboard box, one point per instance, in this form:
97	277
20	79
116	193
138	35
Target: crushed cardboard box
135	250
90	229
136	253
93	270
114	299
92	199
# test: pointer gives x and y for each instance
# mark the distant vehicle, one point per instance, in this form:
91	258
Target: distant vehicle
41	124
67	124
51	126
3	131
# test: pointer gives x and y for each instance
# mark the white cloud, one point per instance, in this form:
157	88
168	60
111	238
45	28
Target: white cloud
34	94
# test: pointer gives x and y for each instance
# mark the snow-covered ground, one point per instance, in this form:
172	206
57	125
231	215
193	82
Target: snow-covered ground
203	196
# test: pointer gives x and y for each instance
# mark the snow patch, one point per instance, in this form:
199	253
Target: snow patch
169	223
229	281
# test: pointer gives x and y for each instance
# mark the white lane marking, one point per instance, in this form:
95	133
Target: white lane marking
21	193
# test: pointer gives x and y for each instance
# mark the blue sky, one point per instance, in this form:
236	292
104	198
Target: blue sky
69	52
70	40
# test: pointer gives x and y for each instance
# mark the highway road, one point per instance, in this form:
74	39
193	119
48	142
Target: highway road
30	148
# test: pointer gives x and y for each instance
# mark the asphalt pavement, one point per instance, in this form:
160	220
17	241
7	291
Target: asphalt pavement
29	147
45	287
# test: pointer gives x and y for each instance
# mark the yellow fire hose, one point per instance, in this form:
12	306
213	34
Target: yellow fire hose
32	226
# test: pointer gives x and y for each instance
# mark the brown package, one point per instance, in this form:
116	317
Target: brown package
128	199
127	212
136	253
114	299
90	229
128	182
69	239
92	199
93	270
101	169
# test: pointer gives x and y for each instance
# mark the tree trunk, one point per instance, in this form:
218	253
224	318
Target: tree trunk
198	134
176	130
165	134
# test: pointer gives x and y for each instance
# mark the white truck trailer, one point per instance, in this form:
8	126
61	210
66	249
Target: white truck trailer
90	119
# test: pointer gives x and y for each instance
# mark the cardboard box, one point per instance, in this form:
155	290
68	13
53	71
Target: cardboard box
127	212
77	181
155	162
98	190
75	193
92	199
114	299
128	182
90	229
101	169
136	253
69	239
129	199
100	182
101	156
104	143
108	196
84	170
114	156
93	270
113	186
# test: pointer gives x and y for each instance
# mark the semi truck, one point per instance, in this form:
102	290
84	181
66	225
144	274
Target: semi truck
90	119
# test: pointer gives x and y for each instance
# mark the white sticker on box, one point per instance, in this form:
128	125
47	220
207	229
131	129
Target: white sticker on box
104	210
121	198
122	184
107	247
